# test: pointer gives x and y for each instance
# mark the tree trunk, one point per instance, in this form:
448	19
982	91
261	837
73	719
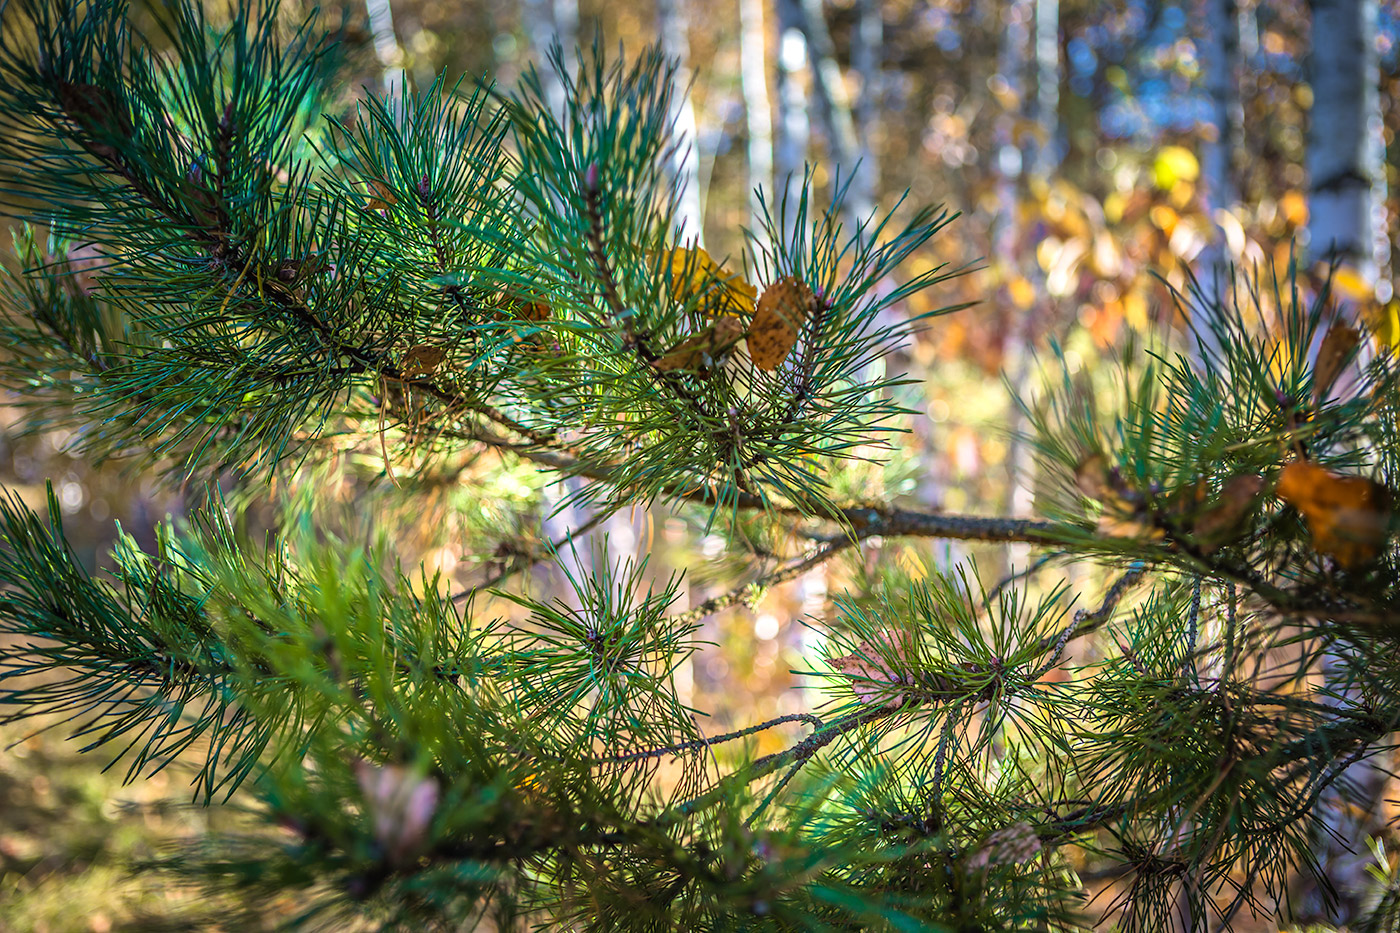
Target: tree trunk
551	22
672	23
1219	191
794	127
753	77
386	49
1046	156
834	106
1344	76
1010	163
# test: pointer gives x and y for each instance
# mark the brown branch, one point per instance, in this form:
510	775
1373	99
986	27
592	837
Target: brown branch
749	591
1086	621
534	558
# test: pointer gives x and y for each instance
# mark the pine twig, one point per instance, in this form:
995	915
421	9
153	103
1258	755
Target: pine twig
516	566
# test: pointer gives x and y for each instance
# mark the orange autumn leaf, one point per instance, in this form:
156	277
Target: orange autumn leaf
1348	517
782	311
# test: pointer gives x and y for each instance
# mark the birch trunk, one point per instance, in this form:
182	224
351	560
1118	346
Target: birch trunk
753	77
386	49
549	22
794	127
1344	77
672	23
1219	191
834	106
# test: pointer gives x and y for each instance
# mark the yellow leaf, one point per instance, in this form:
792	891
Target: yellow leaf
1174	164
1384	322
1164	218
1022	292
1295	208
1349	283
1334	353
694	273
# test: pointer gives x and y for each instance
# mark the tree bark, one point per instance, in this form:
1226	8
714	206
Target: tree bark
386	48
753	77
1345	79
549	22
794	126
834	106
1344	76
672	24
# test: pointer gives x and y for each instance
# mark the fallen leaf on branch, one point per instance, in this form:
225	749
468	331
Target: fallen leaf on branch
1347	516
1123	510
382	197
512	305
875	683
1091	476
1332	357
1011	845
1224	521
693	273
700	351
422	360
782	310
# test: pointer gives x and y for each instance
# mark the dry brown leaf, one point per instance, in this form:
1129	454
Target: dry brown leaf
1014	845
423	360
1224	521
1091	476
382	197
1124	512
1332	356
1347	516
513	305
872	679
700	351
782	310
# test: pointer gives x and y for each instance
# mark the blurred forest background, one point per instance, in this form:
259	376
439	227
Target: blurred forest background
1097	151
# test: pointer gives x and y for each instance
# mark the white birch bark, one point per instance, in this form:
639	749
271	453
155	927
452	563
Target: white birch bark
387	49
1341	163
753	77
794	127
1219	190
548	22
672	23
1344	78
